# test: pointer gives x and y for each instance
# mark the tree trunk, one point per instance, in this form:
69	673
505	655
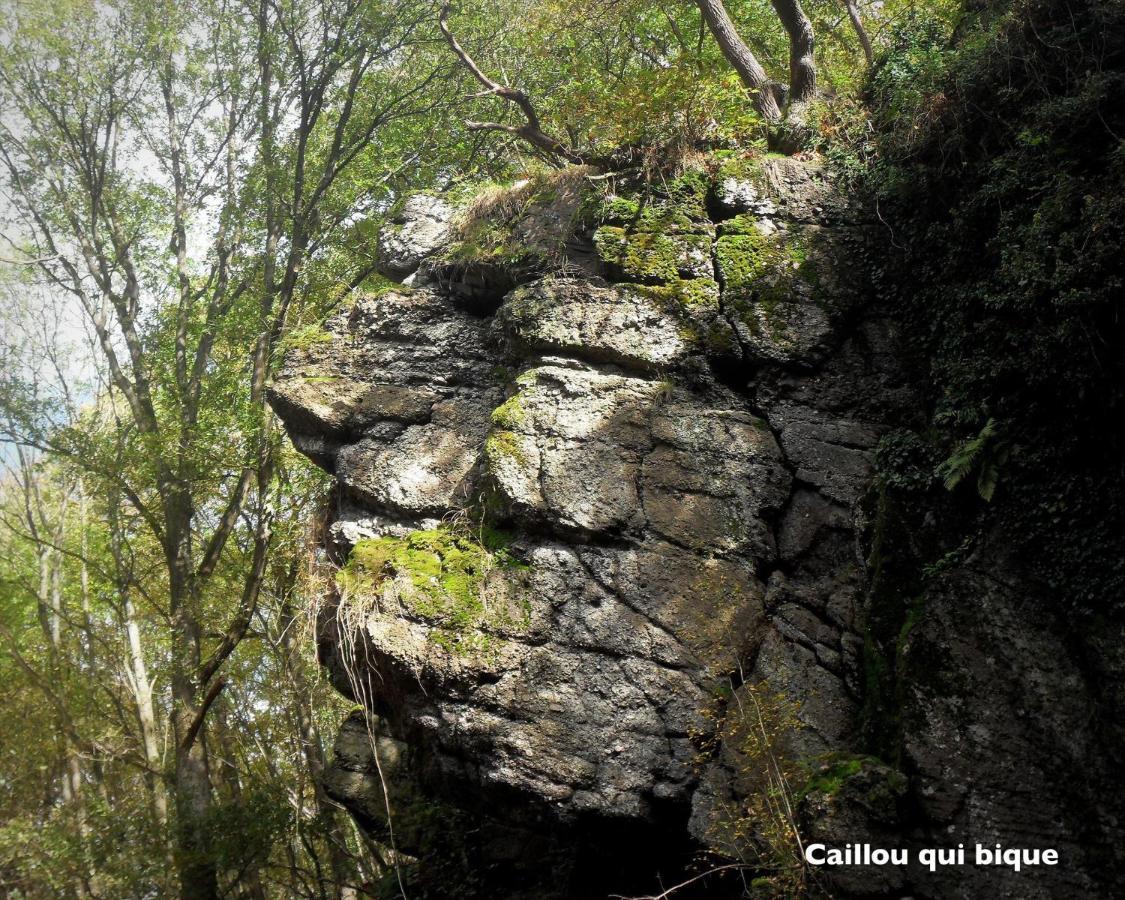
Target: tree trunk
860	31
146	716
198	875
140	684
802	65
766	92
198	878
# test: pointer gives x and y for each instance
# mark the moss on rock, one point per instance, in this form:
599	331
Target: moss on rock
695	304
509	413
460	583
653	255
502	445
751	258
742	168
833	772
683	293
678	205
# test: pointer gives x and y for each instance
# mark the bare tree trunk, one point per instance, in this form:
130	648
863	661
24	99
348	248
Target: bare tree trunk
89	649
766	92
802	65
84	578
198	874
146	716
860	31
140	684
72	776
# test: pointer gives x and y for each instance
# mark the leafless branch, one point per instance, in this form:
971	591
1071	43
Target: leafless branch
531	131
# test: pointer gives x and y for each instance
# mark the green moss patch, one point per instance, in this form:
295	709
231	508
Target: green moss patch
643	256
464	584
509	413
676	205
829	778
836	770
501	445
743	168
689	192
683	293
306	338
769	268
649	256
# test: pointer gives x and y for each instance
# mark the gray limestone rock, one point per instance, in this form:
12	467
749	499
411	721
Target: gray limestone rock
646	502
673	470
420	229
594	322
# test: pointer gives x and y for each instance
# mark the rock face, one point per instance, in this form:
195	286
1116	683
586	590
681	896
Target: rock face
596	525
419	229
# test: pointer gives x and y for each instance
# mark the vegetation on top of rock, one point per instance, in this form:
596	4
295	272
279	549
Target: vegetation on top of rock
306	338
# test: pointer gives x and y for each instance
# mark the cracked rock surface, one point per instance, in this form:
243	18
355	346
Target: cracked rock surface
647	494
676	442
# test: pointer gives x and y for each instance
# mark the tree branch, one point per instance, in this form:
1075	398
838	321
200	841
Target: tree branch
222	531
532	132
236	631
860	31
210	697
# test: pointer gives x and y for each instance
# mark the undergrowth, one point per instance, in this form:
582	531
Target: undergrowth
995	161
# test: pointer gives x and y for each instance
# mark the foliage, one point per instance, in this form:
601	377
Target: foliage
986	453
1011	287
639	74
186	175
109	835
916	52
906	461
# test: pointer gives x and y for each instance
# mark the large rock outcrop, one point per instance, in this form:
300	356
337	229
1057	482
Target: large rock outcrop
604	507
